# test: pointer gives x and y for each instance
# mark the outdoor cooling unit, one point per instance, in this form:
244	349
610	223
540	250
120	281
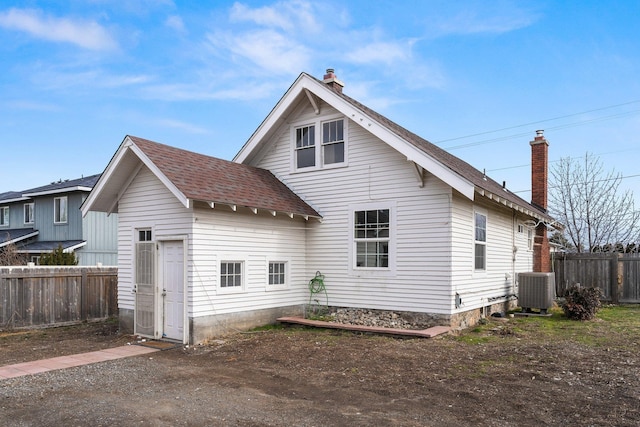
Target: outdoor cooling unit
536	290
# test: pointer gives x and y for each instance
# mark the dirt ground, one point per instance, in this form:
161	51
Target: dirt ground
508	372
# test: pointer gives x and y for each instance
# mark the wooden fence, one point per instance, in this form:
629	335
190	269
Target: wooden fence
40	296
617	275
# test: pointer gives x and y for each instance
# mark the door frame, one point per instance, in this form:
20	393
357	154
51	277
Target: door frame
159	306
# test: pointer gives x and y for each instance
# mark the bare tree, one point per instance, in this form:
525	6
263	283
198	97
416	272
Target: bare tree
588	201
9	256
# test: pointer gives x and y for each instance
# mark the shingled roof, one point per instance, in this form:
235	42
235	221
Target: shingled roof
484	185
208	179
79	184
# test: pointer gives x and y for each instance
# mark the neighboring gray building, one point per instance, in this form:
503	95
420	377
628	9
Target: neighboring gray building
40	219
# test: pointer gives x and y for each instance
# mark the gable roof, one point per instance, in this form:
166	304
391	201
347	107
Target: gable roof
64	186
194	177
15	235
12	196
457	173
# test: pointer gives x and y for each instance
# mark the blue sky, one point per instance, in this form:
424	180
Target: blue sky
475	77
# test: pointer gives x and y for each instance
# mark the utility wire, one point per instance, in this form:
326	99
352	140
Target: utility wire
538	121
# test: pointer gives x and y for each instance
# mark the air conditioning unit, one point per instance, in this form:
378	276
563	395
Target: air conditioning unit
536	290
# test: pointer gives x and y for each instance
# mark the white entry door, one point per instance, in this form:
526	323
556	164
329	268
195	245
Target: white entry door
173	289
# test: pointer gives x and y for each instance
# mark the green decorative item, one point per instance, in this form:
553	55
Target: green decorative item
316	288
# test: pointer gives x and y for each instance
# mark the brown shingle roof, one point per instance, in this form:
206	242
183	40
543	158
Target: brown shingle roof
455	164
210	179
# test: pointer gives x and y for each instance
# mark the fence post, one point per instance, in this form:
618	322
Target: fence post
615	286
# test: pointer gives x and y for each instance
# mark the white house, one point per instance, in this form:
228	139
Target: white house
325	184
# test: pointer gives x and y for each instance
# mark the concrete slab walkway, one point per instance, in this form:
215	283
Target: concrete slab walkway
62	362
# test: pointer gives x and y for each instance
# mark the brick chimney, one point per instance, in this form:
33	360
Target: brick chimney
333	82
539	186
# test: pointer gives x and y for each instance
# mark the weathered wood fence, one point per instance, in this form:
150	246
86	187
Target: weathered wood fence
616	274
38	296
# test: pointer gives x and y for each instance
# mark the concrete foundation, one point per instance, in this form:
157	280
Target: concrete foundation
472	317
205	328
202	329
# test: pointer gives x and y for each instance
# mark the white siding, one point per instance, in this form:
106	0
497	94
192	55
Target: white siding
146	203
223	235
481	288
375	173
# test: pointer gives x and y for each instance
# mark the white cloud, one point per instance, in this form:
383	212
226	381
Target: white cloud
380	52
176	124
484	17
289	16
56	79
269	50
176	23
248	91
32	106
86	34
267	16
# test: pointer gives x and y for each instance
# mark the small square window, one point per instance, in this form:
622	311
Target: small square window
277	273
144	235
231	274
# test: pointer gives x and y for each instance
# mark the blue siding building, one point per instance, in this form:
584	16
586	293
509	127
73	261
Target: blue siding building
41	219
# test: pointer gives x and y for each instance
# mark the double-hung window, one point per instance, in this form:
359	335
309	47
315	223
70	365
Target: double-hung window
333	142
28	213
4	216
60	210
305	147
372	237
330	151
480	244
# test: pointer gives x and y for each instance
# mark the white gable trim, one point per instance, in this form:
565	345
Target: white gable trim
128	146
309	85
162	177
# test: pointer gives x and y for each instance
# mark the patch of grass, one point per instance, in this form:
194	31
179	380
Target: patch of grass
268	327
613	326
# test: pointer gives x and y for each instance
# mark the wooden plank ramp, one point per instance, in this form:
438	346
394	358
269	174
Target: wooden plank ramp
423	333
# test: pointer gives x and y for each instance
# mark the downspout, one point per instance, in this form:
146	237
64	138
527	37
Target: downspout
515	252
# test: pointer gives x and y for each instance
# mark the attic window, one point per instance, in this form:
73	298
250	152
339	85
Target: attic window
305	147
332	151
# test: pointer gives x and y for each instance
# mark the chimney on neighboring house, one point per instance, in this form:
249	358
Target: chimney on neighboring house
539	184
332	81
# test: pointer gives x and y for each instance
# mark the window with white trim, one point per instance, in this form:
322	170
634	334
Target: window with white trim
4	216
277	273
480	245
231	274
60	210
28	213
530	239
372	237
305	147
332	150
333	142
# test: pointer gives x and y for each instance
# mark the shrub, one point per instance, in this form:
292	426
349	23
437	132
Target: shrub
581	303
59	257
